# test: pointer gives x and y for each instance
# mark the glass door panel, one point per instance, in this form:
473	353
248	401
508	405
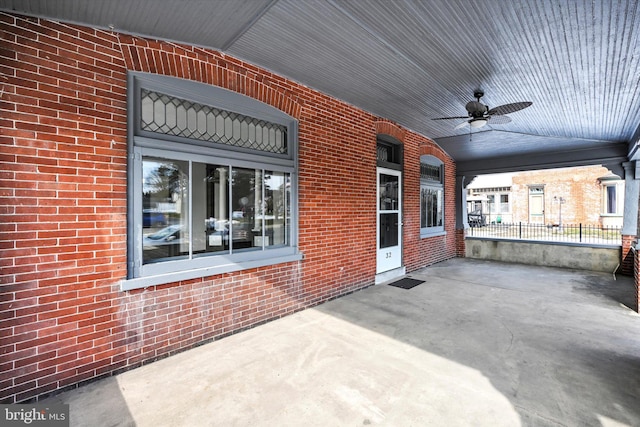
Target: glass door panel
389	214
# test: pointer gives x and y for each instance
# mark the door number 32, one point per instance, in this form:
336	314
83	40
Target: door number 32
388	255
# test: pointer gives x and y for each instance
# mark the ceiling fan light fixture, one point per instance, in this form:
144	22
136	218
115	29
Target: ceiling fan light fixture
478	123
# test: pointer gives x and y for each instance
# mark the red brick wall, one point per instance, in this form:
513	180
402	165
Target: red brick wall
63	181
578	186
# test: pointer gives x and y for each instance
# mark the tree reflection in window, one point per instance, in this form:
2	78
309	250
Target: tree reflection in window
165	209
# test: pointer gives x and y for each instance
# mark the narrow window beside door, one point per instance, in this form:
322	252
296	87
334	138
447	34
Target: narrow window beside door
431	196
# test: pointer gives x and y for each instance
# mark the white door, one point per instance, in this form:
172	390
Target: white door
389	220
536	208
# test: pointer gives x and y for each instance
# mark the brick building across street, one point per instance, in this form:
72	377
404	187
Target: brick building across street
590	195
585	195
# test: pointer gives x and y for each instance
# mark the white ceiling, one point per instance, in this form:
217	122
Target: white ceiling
578	61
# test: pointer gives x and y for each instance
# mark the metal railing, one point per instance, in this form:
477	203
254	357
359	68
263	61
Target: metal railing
574	233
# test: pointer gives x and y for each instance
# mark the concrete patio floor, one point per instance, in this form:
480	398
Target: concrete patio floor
479	343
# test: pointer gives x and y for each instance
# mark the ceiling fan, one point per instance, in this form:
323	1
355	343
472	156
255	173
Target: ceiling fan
480	114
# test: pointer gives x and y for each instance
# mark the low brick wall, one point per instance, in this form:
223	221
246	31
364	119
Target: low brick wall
548	254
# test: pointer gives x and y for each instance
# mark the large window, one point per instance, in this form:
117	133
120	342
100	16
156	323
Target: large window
431	196
232	209
211	182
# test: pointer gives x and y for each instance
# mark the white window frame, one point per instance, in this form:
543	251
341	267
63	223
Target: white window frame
605	199
506	205
492	206
437	230
148	144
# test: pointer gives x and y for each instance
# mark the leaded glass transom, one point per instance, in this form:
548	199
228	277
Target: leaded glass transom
430	172
383	153
169	115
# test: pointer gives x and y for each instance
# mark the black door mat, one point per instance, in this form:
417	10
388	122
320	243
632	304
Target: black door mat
406	283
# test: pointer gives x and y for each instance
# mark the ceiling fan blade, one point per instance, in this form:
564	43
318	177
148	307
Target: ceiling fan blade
499	120
461	125
509	108
448	118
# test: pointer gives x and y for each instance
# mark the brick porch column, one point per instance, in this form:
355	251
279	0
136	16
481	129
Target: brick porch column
636	276
461	213
627	259
460	244
629	263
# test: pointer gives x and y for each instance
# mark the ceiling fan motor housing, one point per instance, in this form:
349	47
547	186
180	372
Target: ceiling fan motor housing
476	109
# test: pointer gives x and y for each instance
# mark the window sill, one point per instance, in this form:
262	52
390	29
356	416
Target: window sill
426	235
161	279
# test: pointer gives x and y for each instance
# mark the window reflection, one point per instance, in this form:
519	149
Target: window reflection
388	192
431	207
246	190
232	209
211	208
276	208
165	209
